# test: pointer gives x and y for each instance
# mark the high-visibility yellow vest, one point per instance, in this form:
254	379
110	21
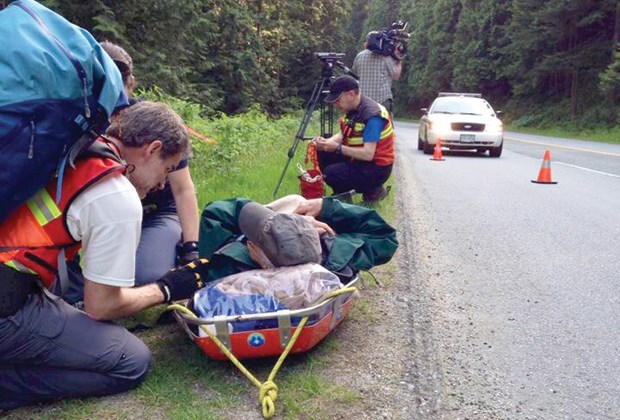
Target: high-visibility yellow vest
352	126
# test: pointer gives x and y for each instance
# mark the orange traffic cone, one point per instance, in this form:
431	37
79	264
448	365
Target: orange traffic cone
544	176
437	151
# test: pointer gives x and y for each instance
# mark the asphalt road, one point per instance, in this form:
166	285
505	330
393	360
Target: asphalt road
514	286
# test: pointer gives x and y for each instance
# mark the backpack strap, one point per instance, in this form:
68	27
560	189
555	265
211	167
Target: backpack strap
99	148
102	148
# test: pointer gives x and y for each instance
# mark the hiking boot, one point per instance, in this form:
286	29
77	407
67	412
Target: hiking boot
374	196
345	197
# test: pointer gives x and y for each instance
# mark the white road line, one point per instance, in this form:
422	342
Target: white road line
586	169
579	149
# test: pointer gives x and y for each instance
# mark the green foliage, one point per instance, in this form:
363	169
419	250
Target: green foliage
574	130
433	34
247	150
609	83
610	78
560	45
381	14
224	54
475	54
231	55
556	121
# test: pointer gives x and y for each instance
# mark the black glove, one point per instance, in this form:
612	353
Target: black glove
186	252
181	283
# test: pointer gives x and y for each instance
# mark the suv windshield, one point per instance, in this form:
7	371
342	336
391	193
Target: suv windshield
461	106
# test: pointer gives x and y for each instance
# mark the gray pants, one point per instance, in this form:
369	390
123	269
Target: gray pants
157	249
49	350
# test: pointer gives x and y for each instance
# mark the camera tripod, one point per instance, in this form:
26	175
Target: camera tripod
319	91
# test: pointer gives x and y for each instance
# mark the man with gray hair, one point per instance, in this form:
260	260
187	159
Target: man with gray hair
49	349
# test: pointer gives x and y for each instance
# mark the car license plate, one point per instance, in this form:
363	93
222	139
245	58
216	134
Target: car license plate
468	138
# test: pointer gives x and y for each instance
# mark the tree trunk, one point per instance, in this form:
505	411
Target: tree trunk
573	95
616	40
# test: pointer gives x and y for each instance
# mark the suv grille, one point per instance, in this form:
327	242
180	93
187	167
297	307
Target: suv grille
467	127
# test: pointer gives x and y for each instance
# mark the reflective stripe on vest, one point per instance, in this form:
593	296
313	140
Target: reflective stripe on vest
16	265
387	131
43	207
357	138
353	134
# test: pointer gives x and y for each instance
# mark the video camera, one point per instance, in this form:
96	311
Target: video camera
392	42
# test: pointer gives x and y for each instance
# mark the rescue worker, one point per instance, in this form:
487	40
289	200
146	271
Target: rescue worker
361	155
49	349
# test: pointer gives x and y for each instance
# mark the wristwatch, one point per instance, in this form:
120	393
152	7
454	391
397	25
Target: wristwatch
339	149
188	251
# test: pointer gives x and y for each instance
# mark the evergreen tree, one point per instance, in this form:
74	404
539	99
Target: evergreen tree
474	55
557	48
430	67
381	14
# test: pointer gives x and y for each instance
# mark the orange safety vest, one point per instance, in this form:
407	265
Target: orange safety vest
352	126
34	234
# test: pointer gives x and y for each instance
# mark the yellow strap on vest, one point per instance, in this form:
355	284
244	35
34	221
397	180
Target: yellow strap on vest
389	128
358	127
43	207
387	131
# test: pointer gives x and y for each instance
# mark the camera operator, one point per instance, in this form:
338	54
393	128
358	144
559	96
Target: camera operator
376	73
361	155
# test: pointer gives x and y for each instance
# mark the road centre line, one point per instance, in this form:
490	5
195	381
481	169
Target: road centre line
586	169
578	149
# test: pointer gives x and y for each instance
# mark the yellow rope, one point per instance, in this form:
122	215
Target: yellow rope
268	390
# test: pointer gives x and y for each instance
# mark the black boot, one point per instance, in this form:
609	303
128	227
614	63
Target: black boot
374	196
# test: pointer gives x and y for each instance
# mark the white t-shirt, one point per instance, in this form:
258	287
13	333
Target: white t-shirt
107	218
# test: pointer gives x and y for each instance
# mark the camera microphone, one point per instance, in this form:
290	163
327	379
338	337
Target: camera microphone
347	70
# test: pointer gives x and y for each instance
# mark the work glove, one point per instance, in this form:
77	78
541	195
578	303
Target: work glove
186	252
181	283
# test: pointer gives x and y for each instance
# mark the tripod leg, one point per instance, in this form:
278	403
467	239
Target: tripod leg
316	97
275	192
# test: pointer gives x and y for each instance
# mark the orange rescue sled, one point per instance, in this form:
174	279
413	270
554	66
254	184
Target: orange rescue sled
272	331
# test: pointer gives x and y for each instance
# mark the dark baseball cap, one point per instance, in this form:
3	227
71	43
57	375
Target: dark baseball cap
286	239
339	86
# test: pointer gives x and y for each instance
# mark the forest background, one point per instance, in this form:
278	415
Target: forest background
542	62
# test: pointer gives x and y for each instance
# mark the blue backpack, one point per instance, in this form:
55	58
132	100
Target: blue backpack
58	89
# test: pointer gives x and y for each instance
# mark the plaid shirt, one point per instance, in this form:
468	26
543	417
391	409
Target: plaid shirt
375	72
